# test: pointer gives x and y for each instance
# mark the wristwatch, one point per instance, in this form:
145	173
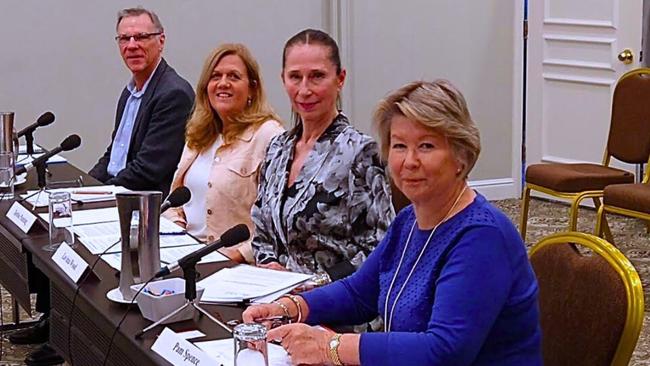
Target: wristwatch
334	344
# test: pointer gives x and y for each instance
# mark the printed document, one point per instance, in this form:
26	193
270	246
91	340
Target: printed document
248	283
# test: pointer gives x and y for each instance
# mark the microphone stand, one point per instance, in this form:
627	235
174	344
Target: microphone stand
29	141
41	172
189	274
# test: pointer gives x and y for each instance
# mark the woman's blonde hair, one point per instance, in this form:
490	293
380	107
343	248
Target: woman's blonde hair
205	124
437	105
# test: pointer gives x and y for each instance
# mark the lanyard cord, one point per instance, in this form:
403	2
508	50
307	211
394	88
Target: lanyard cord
387	319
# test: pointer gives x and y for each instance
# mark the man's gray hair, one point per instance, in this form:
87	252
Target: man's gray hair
134	12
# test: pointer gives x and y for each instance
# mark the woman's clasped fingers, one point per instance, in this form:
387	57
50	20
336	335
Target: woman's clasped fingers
259	313
273	265
305	344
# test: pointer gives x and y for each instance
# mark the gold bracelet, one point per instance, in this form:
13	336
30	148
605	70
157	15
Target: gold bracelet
284	308
297	302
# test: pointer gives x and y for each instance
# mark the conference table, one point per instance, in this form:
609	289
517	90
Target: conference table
94	319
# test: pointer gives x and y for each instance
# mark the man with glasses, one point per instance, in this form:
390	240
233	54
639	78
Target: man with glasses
151	113
146	143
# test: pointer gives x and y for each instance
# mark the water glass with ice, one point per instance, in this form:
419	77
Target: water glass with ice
60	215
7	175
250	345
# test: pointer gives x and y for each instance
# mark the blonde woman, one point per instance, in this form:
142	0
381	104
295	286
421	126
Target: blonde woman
451	278
225	142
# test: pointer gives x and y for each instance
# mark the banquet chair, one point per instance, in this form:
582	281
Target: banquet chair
590	298
631	200
628	141
398	198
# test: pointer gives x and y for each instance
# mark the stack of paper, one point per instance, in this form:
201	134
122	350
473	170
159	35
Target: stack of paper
86	217
107	221
83	194
100	236
24	159
102	243
249	283
22	149
114	260
167	255
99	231
172	254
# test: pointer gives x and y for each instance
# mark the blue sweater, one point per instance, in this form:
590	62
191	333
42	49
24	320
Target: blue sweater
472	299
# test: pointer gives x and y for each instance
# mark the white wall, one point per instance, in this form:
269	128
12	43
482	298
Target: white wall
468	42
61	56
477	45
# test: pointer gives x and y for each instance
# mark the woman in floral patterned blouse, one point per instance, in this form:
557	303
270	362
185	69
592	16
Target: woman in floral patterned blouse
323	201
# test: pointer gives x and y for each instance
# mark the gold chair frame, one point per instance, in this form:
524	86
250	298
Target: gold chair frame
574	197
601	221
631	283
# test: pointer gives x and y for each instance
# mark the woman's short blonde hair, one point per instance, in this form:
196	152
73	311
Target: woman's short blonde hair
205	124
437	105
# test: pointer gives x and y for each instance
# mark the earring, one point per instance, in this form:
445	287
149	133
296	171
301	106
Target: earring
249	101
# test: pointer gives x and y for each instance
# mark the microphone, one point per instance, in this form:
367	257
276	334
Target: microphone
44	120
70	143
178	197
232	236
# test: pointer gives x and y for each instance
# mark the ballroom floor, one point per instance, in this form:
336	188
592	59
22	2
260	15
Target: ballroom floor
545	218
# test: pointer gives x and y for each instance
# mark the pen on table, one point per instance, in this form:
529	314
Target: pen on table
173	233
272	318
92	192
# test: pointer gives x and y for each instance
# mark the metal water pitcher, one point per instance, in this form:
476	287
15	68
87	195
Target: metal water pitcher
139	213
7	132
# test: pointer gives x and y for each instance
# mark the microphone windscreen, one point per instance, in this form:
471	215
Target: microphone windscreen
235	235
179	197
45	119
71	142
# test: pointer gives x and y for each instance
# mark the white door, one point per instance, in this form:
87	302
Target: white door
573	67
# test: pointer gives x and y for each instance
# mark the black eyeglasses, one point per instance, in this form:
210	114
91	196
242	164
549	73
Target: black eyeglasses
138	38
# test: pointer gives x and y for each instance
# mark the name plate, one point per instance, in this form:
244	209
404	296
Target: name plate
69	261
21	216
179	351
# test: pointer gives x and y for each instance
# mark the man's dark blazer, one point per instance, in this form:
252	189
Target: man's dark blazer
158	134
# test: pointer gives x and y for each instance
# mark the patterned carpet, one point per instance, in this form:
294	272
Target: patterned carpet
545	218
13	354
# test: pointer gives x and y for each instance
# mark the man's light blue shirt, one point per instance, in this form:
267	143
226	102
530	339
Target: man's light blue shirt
123	135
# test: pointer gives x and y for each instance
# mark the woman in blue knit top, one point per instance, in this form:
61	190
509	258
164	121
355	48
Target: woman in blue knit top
451	279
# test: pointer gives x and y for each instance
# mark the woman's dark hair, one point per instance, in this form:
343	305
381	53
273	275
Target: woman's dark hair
314	36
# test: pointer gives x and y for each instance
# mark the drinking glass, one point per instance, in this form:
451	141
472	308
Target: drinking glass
60	214
7	176
250	345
